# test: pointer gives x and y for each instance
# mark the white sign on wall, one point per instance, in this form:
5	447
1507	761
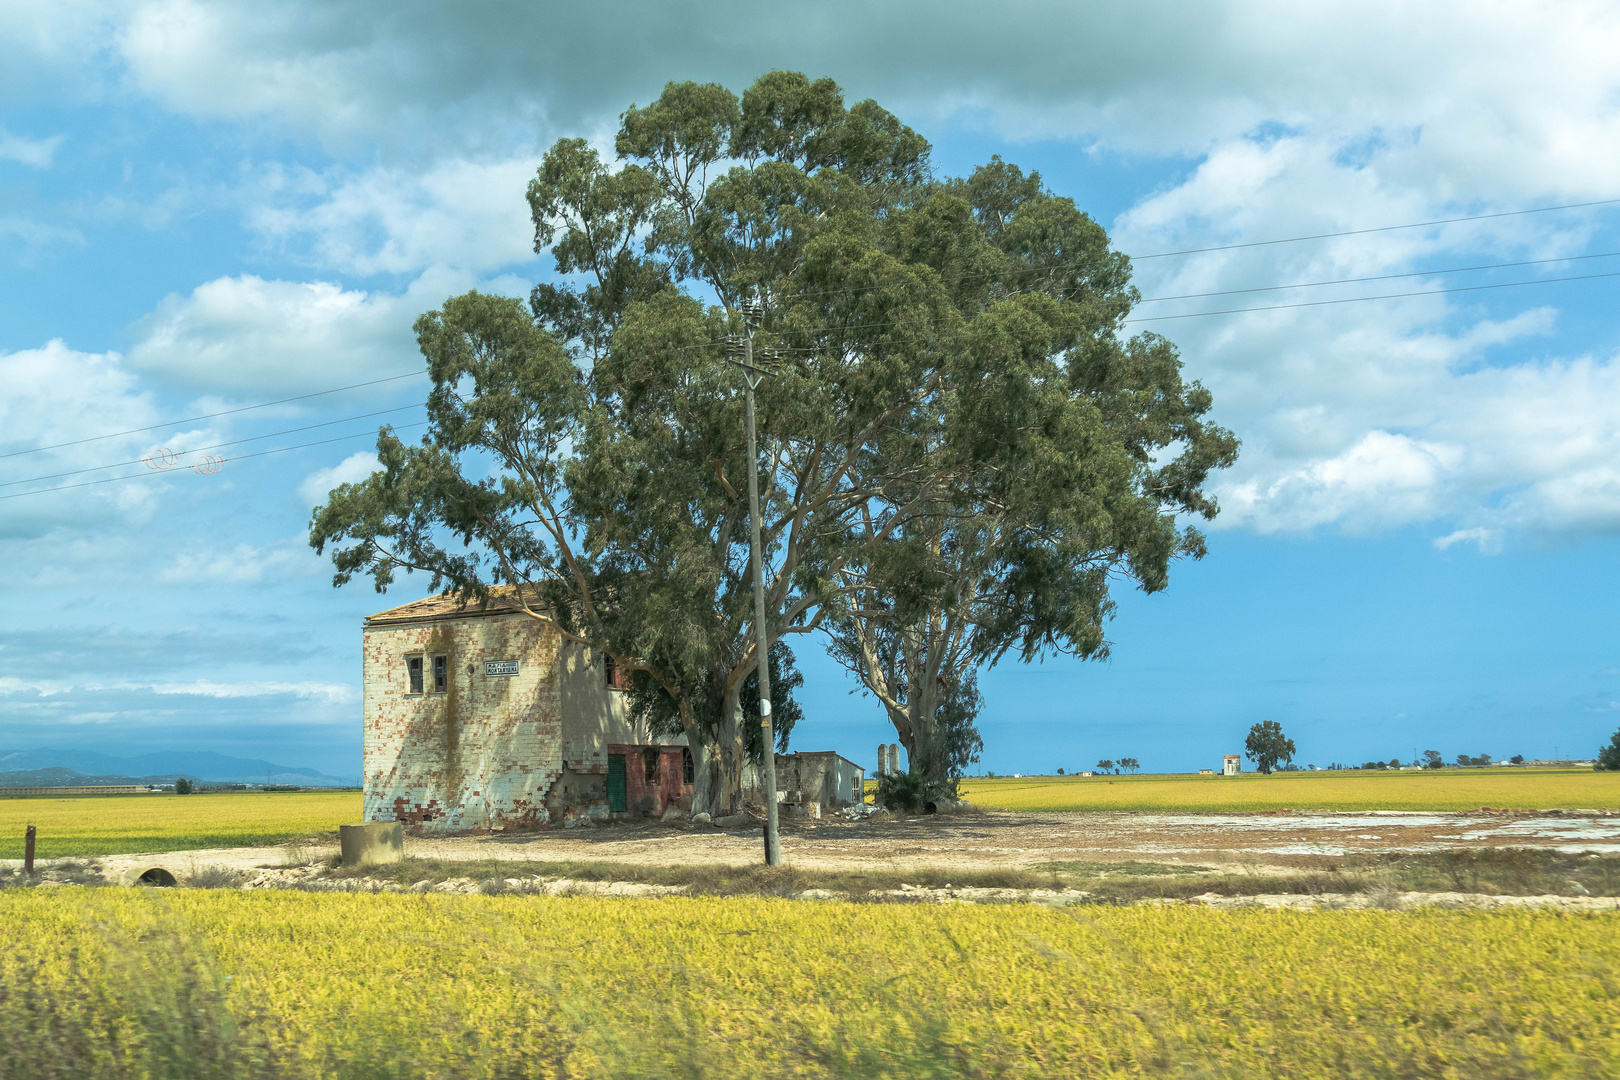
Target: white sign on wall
501	667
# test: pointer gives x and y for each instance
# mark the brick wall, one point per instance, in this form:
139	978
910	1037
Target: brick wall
481	755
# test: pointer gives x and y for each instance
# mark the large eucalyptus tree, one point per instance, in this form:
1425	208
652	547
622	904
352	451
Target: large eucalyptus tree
1055	462
592	445
953	426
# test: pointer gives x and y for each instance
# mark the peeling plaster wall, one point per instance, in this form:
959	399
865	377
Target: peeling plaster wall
482	755
595	717
821	776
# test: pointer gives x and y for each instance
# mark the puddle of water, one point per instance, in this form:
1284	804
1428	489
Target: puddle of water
1576	849
1303	849
1315	822
1607	829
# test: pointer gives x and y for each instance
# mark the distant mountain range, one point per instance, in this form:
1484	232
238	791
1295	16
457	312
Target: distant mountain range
66	768
23	778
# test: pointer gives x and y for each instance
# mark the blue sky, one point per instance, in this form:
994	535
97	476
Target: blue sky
205	206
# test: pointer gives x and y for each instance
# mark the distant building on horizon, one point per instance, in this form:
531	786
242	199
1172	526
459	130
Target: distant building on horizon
1231	764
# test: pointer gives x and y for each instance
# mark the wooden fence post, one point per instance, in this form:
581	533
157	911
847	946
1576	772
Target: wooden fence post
28	852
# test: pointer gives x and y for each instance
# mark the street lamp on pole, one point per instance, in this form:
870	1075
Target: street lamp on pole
741	353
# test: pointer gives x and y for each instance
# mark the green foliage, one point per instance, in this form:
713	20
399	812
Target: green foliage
957	721
1267	746
1055	456
650	704
1608	757
912	792
957	452
1432	759
182	786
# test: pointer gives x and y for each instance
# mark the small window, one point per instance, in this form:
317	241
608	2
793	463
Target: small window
441	674
649	761
688	774
614	676
413	664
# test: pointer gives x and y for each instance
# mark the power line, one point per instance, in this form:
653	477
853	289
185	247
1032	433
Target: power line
210	416
215	446
1228	311
1054	266
1015	270
1381	277
1385	296
858	326
243	457
1379	229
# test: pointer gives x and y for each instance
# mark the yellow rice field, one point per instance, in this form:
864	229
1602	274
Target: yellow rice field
1444	789
118	824
287	984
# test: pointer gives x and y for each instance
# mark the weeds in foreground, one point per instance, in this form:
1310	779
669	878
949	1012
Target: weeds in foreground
214	877
62	872
1502	871
123	984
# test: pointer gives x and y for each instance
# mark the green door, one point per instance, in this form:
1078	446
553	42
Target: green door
616	801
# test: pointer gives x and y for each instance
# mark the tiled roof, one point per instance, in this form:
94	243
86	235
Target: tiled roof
503	600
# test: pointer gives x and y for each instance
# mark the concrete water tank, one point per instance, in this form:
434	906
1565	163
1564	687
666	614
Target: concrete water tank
372	842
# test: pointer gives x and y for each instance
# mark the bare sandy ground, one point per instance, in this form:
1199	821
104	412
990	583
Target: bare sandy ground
982	841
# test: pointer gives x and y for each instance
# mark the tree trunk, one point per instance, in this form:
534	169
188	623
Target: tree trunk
918	731
703	779
719	788
920	737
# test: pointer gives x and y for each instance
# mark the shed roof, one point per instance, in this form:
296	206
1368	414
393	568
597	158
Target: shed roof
825	753
503	600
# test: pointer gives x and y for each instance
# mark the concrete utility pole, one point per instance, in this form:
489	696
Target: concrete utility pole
753	313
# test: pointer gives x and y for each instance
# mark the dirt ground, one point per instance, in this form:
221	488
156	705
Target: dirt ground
981	841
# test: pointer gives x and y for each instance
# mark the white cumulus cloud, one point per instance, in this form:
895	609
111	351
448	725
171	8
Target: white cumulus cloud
352	469
35	152
245	333
58	404
1488	540
239	565
387	220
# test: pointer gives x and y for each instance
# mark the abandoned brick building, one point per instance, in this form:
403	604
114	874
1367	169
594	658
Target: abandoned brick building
487	718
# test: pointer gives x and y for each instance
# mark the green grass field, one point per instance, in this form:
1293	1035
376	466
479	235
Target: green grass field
1444	789
119	824
131	983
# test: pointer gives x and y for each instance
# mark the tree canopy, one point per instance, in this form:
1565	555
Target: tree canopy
1268	747
1608	755
958	448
